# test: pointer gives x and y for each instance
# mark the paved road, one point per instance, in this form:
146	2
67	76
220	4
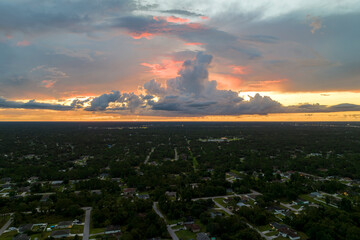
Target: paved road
87	223
6	225
176	154
262	234
170	230
148	156
253	192
223	208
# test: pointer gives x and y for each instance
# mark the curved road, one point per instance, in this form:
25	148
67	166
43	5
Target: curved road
170	230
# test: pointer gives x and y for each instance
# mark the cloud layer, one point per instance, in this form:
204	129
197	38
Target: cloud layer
191	93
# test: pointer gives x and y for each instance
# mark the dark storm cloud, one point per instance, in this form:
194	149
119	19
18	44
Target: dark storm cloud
261	38
34	17
182	12
32	104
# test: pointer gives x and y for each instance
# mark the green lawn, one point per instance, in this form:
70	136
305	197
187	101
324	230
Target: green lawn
185	234
40	236
50	219
76	229
96	230
8	235
264	228
272	233
310	199
281	238
220	201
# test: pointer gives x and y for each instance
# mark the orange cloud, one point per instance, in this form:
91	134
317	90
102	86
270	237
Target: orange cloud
168	68
141	35
9	36
48	83
205	17
239	69
171	19
23	43
268	85
226	81
194	43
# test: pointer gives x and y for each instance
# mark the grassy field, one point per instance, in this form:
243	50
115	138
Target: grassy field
264	228
185	234
50	219
41	236
8	235
77	229
97	230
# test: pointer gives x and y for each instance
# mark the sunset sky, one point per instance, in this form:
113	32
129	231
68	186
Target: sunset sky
164	60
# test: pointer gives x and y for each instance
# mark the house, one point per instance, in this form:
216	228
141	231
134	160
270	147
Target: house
241	204
193	227
278	226
285	231
215	214
103	176
56	183
143	196
129	191
170	194
301	202
21	237
315	195
65	224
113	229
202	236
189	220
289	233
25	228
32	179
60	233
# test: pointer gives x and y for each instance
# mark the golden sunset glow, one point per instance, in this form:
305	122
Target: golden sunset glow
186	62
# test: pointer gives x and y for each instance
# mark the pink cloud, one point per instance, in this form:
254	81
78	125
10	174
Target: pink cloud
195	43
9	36
205	17
171	19
23	43
168	68
141	35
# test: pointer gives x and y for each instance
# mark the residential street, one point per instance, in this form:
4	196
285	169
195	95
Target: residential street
87	223
170	230
6	225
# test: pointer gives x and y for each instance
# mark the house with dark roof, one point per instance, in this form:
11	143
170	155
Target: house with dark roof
60	233
202	236
129	191
193	227
25	228
113	229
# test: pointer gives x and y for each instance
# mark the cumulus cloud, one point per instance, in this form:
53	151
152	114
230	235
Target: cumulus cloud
191	93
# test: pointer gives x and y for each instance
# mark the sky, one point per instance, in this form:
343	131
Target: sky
166	60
